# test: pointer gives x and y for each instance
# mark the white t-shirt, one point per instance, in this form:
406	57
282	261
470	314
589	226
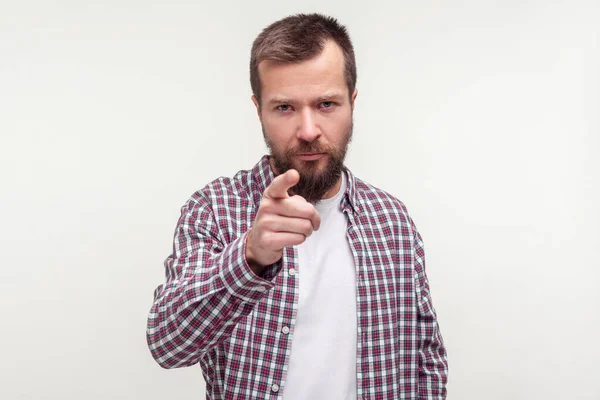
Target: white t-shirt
322	361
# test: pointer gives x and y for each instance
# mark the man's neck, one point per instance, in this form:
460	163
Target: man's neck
334	190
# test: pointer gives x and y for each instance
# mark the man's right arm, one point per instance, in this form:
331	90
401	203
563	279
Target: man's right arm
209	287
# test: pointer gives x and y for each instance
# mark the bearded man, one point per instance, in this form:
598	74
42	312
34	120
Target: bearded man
295	279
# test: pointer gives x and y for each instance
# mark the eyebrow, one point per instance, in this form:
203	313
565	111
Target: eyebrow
330	96
280	100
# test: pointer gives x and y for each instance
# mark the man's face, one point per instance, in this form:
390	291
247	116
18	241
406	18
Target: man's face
306	117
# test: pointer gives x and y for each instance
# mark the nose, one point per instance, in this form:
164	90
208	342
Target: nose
308	129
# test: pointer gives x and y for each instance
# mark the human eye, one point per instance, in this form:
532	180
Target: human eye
327	105
283	107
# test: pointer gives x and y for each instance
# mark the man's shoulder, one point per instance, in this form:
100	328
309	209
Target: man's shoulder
377	200
382	208
226	190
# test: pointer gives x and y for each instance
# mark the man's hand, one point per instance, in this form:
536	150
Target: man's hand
281	221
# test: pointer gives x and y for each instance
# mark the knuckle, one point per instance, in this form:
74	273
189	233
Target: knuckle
317	218
265	203
268	239
309	211
307	227
299	201
267	207
270	223
300	239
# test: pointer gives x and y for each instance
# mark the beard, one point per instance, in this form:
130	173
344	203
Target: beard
314	181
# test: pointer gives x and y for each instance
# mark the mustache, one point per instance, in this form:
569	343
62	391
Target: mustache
308	148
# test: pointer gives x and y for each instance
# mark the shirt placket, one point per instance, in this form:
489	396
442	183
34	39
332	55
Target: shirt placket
286	330
356	246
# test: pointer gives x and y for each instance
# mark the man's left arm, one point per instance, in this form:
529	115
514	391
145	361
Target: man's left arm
433	361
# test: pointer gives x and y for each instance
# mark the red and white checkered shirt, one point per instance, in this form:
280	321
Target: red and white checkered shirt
215	311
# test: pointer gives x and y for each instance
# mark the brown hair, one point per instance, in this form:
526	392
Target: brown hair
297	38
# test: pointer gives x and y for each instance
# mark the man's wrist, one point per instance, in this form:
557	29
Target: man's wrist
252	263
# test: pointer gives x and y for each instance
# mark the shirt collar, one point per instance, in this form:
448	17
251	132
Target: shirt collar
262	176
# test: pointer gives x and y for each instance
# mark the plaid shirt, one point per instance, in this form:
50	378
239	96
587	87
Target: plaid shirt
215	311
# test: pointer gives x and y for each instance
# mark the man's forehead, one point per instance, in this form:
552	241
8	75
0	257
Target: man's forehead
319	76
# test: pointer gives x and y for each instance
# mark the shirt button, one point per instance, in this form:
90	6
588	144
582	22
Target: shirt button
261	289
275	388
285	330
292	271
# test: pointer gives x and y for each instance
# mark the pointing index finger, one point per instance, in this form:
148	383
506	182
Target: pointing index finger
278	189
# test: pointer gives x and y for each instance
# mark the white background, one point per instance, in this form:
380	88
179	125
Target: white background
481	116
